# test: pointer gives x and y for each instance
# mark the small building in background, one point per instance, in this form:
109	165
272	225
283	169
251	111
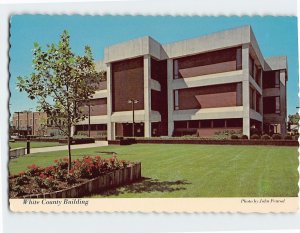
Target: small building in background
33	123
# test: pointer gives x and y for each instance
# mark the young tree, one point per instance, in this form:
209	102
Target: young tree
61	82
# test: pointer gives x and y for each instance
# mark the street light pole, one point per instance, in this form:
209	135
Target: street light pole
132	102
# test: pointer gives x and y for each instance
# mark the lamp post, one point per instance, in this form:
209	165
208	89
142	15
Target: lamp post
132	102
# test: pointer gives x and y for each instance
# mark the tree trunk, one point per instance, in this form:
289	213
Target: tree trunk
69	152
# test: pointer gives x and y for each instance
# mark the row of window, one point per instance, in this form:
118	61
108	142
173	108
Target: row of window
255	100
217	123
25	122
92	127
254	71
208	63
271	104
271	79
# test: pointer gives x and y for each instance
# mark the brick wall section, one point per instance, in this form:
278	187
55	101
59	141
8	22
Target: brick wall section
98	107
208	63
127	83
208	97
208	69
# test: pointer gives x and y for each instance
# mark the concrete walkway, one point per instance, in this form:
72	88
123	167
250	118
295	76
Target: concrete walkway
65	147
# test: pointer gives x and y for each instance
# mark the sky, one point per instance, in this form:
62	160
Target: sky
276	36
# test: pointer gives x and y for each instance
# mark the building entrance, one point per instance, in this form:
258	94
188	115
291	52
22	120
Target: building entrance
138	129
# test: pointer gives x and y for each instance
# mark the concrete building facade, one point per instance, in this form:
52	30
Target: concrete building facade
199	86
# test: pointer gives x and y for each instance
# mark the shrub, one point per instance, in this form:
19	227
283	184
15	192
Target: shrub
49	182
19	190
21	180
254	131
288	137
254	136
70	178
234	136
33	170
39	181
276	137
265	137
61	163
244	137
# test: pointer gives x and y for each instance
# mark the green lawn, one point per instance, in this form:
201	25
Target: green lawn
34	144
196	170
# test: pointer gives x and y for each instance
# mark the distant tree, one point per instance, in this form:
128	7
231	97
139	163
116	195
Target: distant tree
61	81
294	119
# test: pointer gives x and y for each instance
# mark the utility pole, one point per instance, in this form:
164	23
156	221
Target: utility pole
132	102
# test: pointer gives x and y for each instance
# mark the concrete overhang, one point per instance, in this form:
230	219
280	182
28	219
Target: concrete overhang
103	119
215	41
134	48
207	80
276	63
139	116
208	113
100	94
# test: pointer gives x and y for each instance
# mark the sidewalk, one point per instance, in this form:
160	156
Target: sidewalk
65	147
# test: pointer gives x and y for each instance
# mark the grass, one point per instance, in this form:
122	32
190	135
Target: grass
196	170
34	144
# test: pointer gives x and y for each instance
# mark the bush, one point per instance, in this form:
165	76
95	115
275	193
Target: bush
288	137
234	136
19	190
21	180
276	137
39	181
244	137
265	137
254	136
254	131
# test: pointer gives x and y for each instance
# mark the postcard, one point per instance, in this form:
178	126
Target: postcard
153	114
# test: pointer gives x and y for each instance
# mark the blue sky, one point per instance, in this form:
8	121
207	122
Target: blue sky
275	35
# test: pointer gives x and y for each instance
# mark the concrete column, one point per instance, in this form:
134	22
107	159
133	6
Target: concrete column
170	97
110	126
147	95
72	130
283	108
246	90
254	99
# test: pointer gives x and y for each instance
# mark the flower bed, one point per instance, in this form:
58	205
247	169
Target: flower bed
41	182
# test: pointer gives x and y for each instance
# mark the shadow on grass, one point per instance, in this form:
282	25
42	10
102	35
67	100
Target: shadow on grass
147	185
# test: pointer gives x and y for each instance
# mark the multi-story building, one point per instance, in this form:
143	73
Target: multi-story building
33	123
197	86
